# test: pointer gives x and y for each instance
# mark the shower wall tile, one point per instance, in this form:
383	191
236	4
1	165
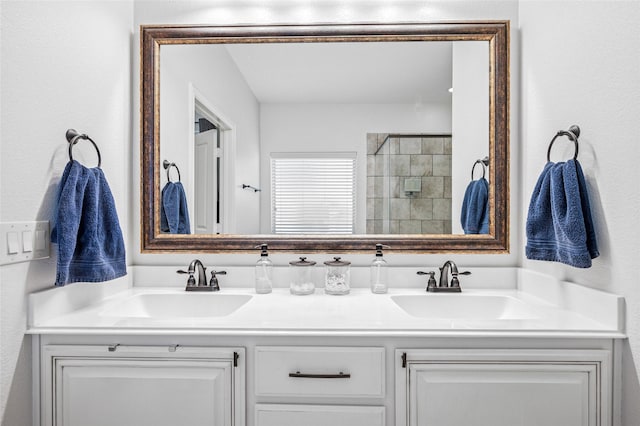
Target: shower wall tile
447	145
422	209
442	208
380	165
371	165
400	165
447	186
433	226
378	208
410	227
394	187
371	185
421	165
370	208
374	226
442	165
400	208
379	188
394	146
433	187
432	146
372	143
410	146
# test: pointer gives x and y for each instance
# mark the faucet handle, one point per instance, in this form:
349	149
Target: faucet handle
191	281
454	279
213	283
431	283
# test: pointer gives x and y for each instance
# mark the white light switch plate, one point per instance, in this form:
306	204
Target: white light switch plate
37	247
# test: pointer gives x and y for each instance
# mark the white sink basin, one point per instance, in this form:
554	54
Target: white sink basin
465	306
180	305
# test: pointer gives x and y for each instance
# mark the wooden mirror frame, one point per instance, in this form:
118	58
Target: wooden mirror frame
495	32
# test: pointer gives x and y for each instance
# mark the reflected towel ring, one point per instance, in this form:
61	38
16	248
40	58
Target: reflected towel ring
572	134
484	167
167	166
73	137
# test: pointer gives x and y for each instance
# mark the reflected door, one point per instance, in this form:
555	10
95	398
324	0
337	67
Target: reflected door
207	183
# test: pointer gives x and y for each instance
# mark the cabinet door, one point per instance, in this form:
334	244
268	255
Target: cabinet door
503	388
318	415
140	386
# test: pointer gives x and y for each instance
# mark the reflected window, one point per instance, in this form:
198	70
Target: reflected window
313	193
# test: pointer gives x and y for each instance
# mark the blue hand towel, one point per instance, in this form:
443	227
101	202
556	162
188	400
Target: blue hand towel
86	228
559	224
475	208
174	215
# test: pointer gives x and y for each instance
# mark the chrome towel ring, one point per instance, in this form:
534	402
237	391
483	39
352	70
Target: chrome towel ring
572	134
73	137
167	166
484	163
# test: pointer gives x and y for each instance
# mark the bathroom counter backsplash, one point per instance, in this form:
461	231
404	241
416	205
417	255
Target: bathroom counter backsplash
494	302
399	276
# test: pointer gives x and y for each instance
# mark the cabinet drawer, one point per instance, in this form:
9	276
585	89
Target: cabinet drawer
319	371
318	415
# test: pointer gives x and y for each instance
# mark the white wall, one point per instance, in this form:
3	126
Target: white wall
291	11
581	65
338	128
214	75
470	124
64	64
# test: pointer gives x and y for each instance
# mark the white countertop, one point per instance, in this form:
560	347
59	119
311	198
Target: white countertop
545	309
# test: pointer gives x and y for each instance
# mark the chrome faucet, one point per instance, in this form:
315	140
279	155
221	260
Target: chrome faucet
201	285
444	286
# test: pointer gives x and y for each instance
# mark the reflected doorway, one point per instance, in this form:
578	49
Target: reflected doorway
212	159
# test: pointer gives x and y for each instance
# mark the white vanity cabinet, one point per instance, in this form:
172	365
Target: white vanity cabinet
327	380
98	385
319	385
503	387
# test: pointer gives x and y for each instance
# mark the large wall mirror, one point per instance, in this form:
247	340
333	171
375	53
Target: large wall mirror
326	137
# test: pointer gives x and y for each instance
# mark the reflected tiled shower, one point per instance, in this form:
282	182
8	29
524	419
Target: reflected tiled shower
408	184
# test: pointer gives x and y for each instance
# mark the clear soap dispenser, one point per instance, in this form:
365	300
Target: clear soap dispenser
264	272
379	272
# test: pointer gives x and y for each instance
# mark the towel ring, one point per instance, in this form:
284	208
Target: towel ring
572	134
167	166
484	167
73	137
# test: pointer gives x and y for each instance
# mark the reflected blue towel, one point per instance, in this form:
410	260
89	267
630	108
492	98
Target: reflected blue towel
559	224
174	215
475	208
86	228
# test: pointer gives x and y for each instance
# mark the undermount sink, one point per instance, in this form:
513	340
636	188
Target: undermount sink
464	306
181	305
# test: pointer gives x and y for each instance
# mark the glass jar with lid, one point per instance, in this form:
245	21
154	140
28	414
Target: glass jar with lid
337	276
301	276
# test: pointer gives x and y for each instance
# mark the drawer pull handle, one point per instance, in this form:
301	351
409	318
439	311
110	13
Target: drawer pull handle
340	375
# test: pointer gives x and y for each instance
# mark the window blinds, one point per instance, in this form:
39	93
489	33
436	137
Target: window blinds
313	193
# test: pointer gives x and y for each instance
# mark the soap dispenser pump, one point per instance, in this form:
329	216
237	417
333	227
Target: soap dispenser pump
379	272
264	271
